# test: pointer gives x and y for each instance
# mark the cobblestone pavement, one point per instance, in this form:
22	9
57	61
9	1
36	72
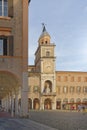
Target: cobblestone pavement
61	120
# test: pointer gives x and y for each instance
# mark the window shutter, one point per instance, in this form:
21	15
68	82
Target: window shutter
5	46
11	47
10	8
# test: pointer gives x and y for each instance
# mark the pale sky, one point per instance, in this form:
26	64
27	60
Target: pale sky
66	22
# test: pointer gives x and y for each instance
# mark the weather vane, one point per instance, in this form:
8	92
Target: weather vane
43	25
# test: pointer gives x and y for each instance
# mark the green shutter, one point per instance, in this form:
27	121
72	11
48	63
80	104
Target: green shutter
11	46
4	46
10	8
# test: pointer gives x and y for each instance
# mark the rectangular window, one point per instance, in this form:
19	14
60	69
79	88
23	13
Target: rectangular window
47	53
71	89
3	7
78	89
65	89
6	8
79	79
58	89
85	89
1	47
65	78
72	79
85	79
6	46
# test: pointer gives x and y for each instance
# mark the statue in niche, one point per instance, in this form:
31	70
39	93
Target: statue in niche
47	88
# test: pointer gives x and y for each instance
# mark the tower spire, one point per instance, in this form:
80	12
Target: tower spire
44	28
44	38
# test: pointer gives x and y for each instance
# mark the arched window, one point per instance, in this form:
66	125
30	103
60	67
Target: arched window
78	89
65	89
46	42
85	89
71	89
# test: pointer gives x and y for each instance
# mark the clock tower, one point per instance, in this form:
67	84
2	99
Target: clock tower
45	65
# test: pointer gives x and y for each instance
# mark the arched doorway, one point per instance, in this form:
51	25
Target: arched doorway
47	104
58	103
64	105
78	102
36	104
47	86
29	103
71	104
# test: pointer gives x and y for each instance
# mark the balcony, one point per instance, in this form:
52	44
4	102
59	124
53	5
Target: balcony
49	94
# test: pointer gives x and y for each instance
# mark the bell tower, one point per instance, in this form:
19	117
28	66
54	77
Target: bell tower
45	64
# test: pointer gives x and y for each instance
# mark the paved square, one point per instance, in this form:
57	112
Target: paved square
61	120
45	120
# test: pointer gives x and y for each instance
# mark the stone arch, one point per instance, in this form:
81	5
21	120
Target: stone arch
65	100
72	100
29	103
47	86
84	100
64	105
8	83
47	104
78	100
36	104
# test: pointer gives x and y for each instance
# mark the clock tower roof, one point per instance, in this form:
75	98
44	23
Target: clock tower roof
44	32
44	37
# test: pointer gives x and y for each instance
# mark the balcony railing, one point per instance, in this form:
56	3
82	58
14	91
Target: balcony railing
49	94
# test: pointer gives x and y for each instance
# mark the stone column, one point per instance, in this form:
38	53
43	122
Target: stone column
7	103
12	104
24	96
54	104
61	104
32	104
16	104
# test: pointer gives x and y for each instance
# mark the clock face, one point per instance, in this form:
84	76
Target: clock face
47	66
